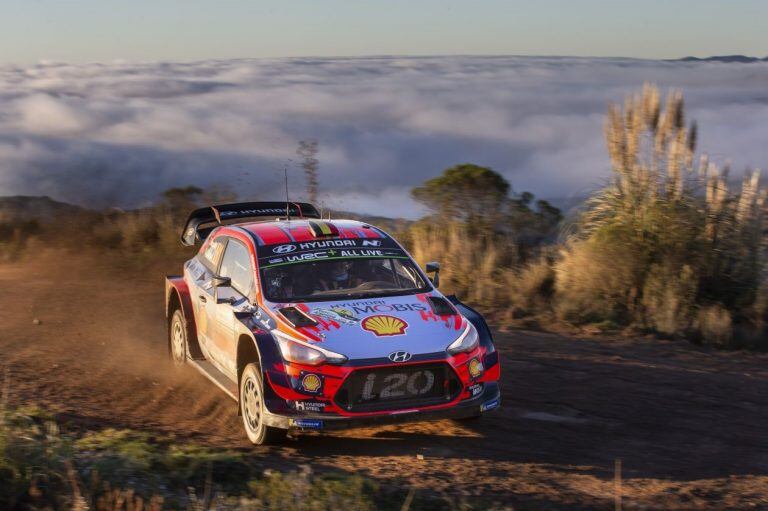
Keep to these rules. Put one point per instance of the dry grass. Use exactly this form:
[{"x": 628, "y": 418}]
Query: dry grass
[
  {"x": 473, "y": 266},
  {"x": 664, "y": 238}
]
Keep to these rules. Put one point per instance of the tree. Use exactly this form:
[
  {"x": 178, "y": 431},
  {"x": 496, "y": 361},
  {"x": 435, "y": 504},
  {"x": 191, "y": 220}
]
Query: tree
[
  {"x": 308, "y": 151},
  {"x": 465, "y": 192}
]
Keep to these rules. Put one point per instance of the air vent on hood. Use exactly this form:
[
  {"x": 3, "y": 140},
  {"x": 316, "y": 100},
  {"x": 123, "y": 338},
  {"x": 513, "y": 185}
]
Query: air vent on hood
[
  {"x": 441, "y": 306},
  {"x": 297, "y": 317}
]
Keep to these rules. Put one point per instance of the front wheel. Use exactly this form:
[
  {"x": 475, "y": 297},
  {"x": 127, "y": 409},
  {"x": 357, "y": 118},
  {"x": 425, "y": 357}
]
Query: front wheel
[
  {"x": 252, "y": 408},
  {"x": 177, "y": 338}
]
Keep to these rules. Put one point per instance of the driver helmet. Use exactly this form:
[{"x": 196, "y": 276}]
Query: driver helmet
[{"x": 340, "y": 271}]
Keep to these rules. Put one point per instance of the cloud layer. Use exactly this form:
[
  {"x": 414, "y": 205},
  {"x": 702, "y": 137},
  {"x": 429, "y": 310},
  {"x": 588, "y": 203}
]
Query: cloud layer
[{"x": 118, "y": 134}]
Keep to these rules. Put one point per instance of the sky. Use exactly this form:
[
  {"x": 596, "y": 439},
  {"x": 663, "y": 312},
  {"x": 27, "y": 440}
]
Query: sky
[
  {"x": 108, "y": 103},
  {"x": 78, "y": 31}
]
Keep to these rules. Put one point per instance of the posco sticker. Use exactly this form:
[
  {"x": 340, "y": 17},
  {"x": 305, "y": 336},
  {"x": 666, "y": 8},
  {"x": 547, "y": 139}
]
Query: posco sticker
[
  {"x": 489, "y": 405},
  {"x": 307, "y": 423}
]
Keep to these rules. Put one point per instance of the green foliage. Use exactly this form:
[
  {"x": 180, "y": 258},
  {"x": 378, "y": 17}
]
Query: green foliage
[
  {"x": 300, "y": 491},
  {"x": 465, "y": 192},
  {"x": 117, "y": 469}
]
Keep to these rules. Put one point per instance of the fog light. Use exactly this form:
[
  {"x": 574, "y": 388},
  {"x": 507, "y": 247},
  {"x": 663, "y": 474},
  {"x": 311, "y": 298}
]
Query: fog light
[
  {"x": 475, "y": 368},
  {"x": 311, "y": 383}
]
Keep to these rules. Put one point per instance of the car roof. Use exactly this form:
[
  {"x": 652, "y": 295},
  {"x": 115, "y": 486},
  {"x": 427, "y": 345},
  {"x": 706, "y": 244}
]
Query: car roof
[{"x": 300, "y": 230}]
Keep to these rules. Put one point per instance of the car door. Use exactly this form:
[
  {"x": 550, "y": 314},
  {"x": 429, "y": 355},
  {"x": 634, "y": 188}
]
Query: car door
[
  {"x": 204, "y": 267},
  {"x": 236, "y": 265}
]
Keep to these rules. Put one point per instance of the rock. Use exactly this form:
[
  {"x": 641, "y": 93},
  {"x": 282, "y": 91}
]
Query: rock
[{"x": 36, "y": 322}]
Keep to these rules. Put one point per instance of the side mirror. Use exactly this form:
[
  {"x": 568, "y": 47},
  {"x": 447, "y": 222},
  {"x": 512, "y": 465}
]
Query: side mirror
[
  {"x": 219, "y": 281},
  {"x": 434, "y": 267}
]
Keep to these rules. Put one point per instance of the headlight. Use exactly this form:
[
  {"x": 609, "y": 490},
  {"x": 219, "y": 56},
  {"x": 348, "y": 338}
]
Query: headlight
[
  {"x": 467, "y": 341},
  {"x": 300, "y": 353}
]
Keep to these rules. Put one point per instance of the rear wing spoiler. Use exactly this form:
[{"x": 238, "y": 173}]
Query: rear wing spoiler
[{"x": 219, "y": 213}]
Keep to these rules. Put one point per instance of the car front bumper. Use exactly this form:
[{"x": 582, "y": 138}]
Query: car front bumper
[{"x": 488, "y": 400}]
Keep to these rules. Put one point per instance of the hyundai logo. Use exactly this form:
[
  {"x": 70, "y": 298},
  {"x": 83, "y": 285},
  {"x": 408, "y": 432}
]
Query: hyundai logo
[
  {"x": 399, "y": 356},
  {"x": 284, "y": 249}
]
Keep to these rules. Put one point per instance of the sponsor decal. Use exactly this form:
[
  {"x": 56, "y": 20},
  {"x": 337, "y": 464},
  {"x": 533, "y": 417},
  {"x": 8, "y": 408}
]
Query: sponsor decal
[
  {"x": 475, "y": 389},
  {"x": 336, "y": 313},
  {"x": 265, "y": 320},
  {"x": 382, "y": 325},
  {"x": 371, "y": 243},
  {"x": 325, "y": 325},
  {"x": 311, "y": 383},
  {"x": 284, "y": 249},
  {"x": 489, "y": 405},
  {"x": 388, "y": 307},
  {"x": 258, "y": 212},
  {"x": 276, "y": 260},
  {"x": 475, "y": 368},
  {"x": 307, "y": 423},
  {"x": 314, "y": 245},
  {"x": 310, "y": 406},
  {"x": 362, "y": 252},
  {"x": 453, "y": 321}
]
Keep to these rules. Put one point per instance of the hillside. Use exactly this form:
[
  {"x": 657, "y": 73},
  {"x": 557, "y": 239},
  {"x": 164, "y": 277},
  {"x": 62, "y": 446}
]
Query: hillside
[{"x": 22, "y": 208}]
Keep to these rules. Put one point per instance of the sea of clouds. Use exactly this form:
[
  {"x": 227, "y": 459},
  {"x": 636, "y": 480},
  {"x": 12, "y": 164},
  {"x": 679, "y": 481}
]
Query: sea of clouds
[{"x": 118, "y": 134}]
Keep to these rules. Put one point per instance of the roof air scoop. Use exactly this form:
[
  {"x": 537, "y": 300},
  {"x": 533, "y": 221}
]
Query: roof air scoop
[{"x": 323, "y": 229}]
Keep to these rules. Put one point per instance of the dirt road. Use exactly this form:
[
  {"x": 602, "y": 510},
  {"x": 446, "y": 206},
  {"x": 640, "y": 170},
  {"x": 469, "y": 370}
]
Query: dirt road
[{"x": 688, "y": 424}]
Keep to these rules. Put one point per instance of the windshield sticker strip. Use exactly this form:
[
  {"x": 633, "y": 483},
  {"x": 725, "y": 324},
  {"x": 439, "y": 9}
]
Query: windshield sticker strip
[{"x": 298, "y": 259}]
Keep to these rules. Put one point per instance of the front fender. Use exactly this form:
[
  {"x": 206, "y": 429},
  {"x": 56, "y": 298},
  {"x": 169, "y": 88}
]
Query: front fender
[{"x": 477, "y": 320}]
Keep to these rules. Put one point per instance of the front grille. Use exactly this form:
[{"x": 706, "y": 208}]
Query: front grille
[{"x": 398, "y": 387}]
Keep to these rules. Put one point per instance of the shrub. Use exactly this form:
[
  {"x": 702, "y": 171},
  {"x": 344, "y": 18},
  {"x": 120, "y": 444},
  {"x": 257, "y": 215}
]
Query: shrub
[
  {"x": 715, "y": 325},
  {"x": 669, "y": 298},
  {"x": 529, "y": 289},
  {"x": 472, "y": 264},
  {"x": 597, "y": 280},
  {"x": 662, "y": 237}
]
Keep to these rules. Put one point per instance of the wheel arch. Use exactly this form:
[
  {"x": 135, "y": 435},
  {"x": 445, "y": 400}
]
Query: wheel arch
[
  {"x": 247, "y": 352},
  {"x": 177, "y": 297}
]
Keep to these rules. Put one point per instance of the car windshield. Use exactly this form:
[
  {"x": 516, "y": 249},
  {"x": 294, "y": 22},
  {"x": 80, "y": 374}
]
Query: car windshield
[{"x": 341, "y": 278}]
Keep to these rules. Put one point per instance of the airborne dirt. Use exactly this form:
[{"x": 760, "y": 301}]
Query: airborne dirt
[{"x": 688, "y": 424}]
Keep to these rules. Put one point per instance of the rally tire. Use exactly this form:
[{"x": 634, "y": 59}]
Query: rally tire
[
  {"x": 178, "y": 338},
  {"x": 252, "y": 408}
]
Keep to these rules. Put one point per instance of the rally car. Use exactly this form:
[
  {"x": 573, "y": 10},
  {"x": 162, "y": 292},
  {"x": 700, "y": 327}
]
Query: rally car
[{"x": 312, "y": 324}]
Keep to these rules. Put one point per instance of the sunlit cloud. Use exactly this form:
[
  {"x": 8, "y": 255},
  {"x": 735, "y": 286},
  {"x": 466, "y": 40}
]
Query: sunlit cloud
[{"x": 120, "y": 133}]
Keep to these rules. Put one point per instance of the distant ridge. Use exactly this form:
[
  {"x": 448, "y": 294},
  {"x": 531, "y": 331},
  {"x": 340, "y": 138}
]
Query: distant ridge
[
  {"x": 21, "y": 207},
  {"x": 730, "y": 59}
]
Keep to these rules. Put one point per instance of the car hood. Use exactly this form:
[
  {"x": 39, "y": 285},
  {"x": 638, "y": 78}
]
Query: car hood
[{"x": 376, "y": 327}]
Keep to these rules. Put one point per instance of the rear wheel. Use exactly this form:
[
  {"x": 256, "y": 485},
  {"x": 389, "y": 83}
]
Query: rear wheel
[
  {"x": 177, "y": 338},
  {"x": 252, "y": 408}
]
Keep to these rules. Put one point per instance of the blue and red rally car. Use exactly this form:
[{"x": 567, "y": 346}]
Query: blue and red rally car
[{"x": 312, "y": 324}]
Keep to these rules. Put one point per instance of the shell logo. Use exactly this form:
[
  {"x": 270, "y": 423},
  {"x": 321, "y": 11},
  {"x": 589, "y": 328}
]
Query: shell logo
[
  {"x": 311, "y": 383},
  {"x": 475, "y": 368},
  {"x": 383, "y": 325}
]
